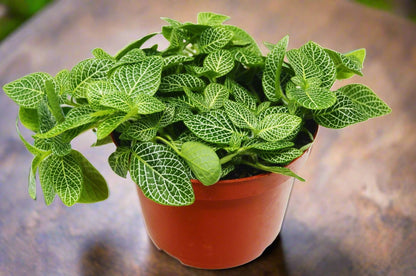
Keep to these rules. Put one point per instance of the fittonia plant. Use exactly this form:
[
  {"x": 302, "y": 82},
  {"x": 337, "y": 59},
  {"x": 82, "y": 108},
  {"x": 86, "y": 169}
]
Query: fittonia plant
[{"x": 208, "y": 106}]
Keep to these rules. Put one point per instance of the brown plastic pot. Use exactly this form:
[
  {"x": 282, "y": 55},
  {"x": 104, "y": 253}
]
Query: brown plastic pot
[{"x": 230, "y": 223}]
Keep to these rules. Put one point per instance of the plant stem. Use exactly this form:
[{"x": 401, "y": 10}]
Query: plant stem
[{"x": 166, "y": 142}]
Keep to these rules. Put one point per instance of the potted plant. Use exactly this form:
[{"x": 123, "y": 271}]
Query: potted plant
[{"x": 210, "y": 130}]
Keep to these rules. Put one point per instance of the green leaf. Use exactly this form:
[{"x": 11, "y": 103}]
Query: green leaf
[
  {"x": 118, "y": 100},
  {"x": 303, "y": 65},
  {"x": 347, "y": 65},
  {"x": 241, "y": 37},
  {"x": 272, "y": 70},
  {"x": 279, "y": 170},
  {"x": 211, "y": 19},
  {"x": 132, "y": 57},
  {"x": 86, "y": 71},
  {"x": 366, "y": 100},
  {"x": 268, "y": 146},
  {"x": 63, "y": 175},
  {"x": 313, "y": 97},
  {"x": 134, "y": 45},
  {"x": 203, "y": 161},
  {"x": 76, "y": 117},
  {"x": 32, "y": 175},
  {"x": 240, "y": 115},
  {"x": 247, "y": 57},
  {"x": 281, "y": 156},
  {"x": 108, "y": 125},
  {"x": 240, "y": 94},
  {"x": 143, "y": 130},
  {"x": 323, "y": 61},
  {"x": 94, "y": 186},
  {"x": 176, "y": 82},
  {"x": 198, "y": 101},
  {"x": 272, "y": 110},
  {"x": 32, "y": 149},
  {"x": 221, "y": 62},
  {"x": 120, "y": 160},
  {"x": 60, "y": 147},
  {"x": 96, "y": 91},
  {"x": 52, "y": 93},
  {"x": 277, "y": 127},
  {"x": 147, "y": 105},
  {"x": 139, "y": 78},
  {"x": 343, "y": 113},
  {"x": 29, "y": 118},
  {"x": 215, "y": 94},
  {"x": 166, "y": 117},
  {"x": 213, "y": 126},
  {"x": 213, "y": 39},
  {"x": 101, "y": 54},
  {"x": 262, "y": 107},
  {"x": 27, "y": 91},
  {"x": 63, "y": 78},
  {"x": 161, "y": 174},
  {"x": 175, "y": 60},
  {"x": 47, "y": 186}
]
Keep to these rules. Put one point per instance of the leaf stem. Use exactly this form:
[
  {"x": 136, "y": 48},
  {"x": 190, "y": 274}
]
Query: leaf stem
[{"x": 166, "y": 142}]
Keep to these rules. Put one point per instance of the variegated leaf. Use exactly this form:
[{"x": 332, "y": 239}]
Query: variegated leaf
[
  {"x": 27, "y": 91},
  {"x": 176, "y": 82},
  {"x": 213, "y": 39},
  {"x": 140, "y": 78},
  {"x": 161, "y": 174}
]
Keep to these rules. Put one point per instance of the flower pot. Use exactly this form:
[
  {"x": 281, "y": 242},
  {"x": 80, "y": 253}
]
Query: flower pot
[{"x": 230, "y": 223}]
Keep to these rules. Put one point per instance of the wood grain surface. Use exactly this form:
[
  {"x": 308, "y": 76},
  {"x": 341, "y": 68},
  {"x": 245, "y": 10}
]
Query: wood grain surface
[{"x": 356, "y": 214}]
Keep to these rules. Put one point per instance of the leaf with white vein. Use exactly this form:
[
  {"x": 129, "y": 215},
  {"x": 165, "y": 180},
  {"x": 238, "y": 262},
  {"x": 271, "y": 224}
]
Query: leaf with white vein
[
  {"x": 86, "y": 71},
  {"x": 118, "y": 100},
  {"x": 213, "y": 39},
  {"x": 347, "y": 65},
  {"x": 343, "y": 113},
  {"x": 213, "y": 126},
  {"x": 76, "y": 117},
  {"x": 281, "y": 156},
  {"x": 147, "y": 105},
  {"x": 323, "y": 61},
  {"x": 240, "y": 115},
  {"x": 272, "y": 70},
  {"x": 27, "y": 91},
  {"x": 221, "y": 62},
  {"x": 268, "y": 146},
  {"x": 62, "y": 175},
  {"x": 211, "y": 19},
  {"x": 96, "y": 91},
  {"x": 303, "y": 65},
  {"x": 140, "y": 78},
  {"x": 277, "y": 127},
  {"x": 119, "y": 161},
  {"x": 241, "y": 94},
  {"x": 247, "y": 57},
  {"x": 175, "y": 60},
  {"x": 143, "y": 130},
  {"x": 367, "y": 101},
  {"x": 215, "y": 94},
  {"x": 109, "y": 124},
  {"x": 313, "y": 97},
  {"x": 161, "y": 174},
  {"x": 176, "y": 82}
]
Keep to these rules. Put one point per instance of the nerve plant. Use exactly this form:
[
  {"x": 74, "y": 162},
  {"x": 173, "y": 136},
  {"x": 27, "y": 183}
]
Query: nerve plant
[{"x": 209, "y": 106}]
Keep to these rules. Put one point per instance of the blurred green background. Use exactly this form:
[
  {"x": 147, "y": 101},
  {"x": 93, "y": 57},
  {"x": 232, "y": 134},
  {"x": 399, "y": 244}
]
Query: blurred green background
[{"x": 14, "y": 12}]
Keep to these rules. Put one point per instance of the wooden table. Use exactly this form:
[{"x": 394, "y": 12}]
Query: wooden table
[{"x": 356, "y": 215}]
